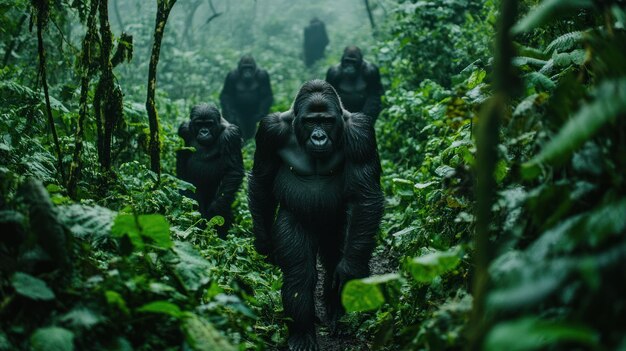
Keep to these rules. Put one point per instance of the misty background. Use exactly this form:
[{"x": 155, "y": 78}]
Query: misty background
[{"x": 204, "y": 39}]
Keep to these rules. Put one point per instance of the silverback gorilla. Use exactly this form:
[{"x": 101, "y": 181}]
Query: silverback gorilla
[
  {"x": 246, "y": 96},
  {"x": 318, "y": 164},
  {"x": 357, "y": 82},
  {"x": 315, "y": 41},
  {"x": 216, "y": 167}
]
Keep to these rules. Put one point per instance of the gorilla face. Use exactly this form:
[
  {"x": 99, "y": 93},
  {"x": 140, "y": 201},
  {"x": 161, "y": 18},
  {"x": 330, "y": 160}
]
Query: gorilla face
[
  {"x": 205, "y": 124},
  {"x": 351, "y": 61},
  {"x": 318, "y": 119},
  {"x": 247, "y": 68}
]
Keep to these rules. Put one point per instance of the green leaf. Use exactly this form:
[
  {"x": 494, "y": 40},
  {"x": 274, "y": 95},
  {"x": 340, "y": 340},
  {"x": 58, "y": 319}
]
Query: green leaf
[
  {"x": 191, "y": 269},
  {"x": 125, "y": 224},
  {"x": 153, "y": 227},
  {"x": 162, "y": 307},
  {"x": 156, "y": 228},
  {"x": 115, "y": 299},
  {"x": 610, "y": 102},
  {"x": 531, "y": 334},
  {"x": 431, "y": 265},
  {"x": 52, "y": 339},
  {"x": 202, "y": 336},
  {"x": 31, "y": 287},
  {"x": 82, "y": 317},
  {"x": 362, "y": 295},
  {"x": 565, "y": 42},
  {"x": 548, "y": 11}
]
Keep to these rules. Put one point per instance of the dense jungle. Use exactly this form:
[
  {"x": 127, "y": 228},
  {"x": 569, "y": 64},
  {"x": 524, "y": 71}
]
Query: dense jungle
[{"x": 435, "y": 175}]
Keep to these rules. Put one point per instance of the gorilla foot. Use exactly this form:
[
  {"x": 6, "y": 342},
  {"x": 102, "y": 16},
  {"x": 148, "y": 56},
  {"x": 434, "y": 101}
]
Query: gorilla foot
[{"x": 303, "y": 342}]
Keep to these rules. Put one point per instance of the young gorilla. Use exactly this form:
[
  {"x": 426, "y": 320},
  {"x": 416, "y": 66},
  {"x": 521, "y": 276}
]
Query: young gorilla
[
  {"x": 357, "y": 82},
  {"x": 246, "y": 96},
  {"x": 216, "y": 167},
  {"x": 318, "y": 164}
]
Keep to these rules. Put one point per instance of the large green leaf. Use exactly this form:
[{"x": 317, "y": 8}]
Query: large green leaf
[
  {"x": 431, "y": 265},
  {"x": 191, "y": 269},
  {"x": 52, "y": 339},
  {"x": 153, "y": 227},
  {"x": 609, "y": 103},
  {"x": 531, "y": 334},
  {"x": 31, "y": 287},
  {"x": 365, "y": 294},
  {"x": 202, "y": 336},
  {"x": 162, "y": 307},
  {"x": 548, "y": 11}
]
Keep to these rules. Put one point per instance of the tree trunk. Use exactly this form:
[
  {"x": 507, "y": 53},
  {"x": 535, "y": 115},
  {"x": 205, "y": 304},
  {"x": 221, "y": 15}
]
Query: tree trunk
[
  {"x": 163, "y": 10},
  {"x": 369, "y": 14},
  {"x": 42, "y": 11},
  {"x": 487, "y": 139},
  {"x": 90, "y": 37},
  {"x": 108, "y": 98}
]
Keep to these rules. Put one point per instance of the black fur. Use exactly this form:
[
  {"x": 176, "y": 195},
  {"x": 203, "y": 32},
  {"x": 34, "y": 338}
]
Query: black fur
[
  {"x": 245, "y": 100},
  {"x": 361, "y": 92},
  {"x": 215, "y": 168},
  {"x": 303, "y": 204},
  {"x": 315, "y": 41}
]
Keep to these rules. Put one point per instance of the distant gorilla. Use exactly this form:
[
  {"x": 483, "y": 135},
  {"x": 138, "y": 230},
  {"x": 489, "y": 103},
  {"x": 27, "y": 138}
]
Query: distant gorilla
[
  {"x": 246, "y": 96},
  {"x": 315, "y": 41},
  {"x": 357, "y": 82},
  {"x": 318, "y": 165},
  {"x": 216, "y": 167}
]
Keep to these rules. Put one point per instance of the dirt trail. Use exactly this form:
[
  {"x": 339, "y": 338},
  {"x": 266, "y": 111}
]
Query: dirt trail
[{"x": 381, "y": 263}]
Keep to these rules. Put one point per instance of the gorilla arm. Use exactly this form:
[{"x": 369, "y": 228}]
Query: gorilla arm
[
  {"x": 365, "y": 199},
  {"x": 182, "y": 155},
  {"x": 272, "y": 133},
  {"x": 230, "y": 150},
  {"x": 372, "y": 105}
]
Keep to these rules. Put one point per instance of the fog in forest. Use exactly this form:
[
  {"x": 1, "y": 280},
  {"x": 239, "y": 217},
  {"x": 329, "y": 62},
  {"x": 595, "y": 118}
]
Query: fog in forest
[{"x": 206, "y": 38}]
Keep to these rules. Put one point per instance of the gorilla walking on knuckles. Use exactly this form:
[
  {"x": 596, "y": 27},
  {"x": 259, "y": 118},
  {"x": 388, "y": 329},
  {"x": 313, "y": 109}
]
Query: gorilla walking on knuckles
[
  {"x": 318, "y": 164},
  {"x": 357, "y": 82},
  {"x": 215, "y": 168},
  {"x": 246, "y": 96}
]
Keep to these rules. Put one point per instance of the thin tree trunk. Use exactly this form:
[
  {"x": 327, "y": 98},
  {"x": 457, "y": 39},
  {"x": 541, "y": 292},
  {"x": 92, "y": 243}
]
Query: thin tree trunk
[
  {"x": 76, "y": 166},
  {"x": 369, "y": 14},
  {"x": 163, "y": 10},
  {"x": 487, "y": 139},
  {"x": 42, "y": 11},
  {"x": 108, "y": 98}
]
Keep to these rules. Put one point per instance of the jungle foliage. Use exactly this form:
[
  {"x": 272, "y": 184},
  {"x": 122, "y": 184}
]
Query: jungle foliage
[{"x": 503, "y": 145}]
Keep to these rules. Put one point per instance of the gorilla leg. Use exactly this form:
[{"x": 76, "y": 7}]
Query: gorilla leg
[
  {"x": 329, "y": 257},
  {"x": 295, "y": 252}
]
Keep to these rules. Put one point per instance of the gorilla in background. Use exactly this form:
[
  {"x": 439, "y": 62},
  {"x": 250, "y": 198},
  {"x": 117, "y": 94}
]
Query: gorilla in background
[
  {"x": 357, "y": 82},
  {"x": 318, "y": 165},
  {"x": 215, "y": 168},
  {"x": 246, "y": 96},
  {"x": 315, "y": 41}
]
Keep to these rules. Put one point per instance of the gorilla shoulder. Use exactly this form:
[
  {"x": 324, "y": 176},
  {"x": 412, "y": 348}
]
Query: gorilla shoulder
[{"x": 359, "y": 137}]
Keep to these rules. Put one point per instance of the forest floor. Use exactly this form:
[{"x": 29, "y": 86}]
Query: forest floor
[{"x": 381, "y": 263}]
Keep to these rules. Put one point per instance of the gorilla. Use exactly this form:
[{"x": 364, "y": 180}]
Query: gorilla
[
  {"x": 246, "y": 96},
  {"x": 315, "y": 189},
  {"x": 315, "y": 41},
  {"x": 215, "y": 168},
  {"x": 357, "y": 82}
]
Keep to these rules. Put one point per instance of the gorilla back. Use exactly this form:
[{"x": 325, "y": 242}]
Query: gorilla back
[
  {"x": 318, "y": 165},
  {"x": 216, "y": 166}
]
